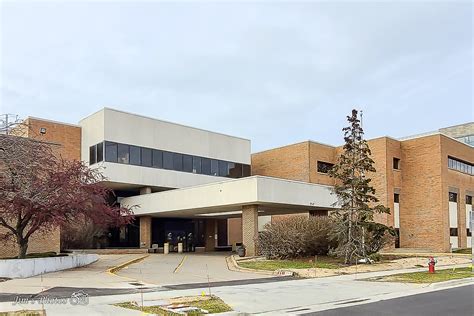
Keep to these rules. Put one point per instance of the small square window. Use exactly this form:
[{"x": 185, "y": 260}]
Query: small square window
[
  {"x": 396, "y": 163},
  {"x": 324, "y": 167},
  {"x": 453, "y": 232},
  {"x": 469, "y": 199},
  {"x": 453, "y": 197}
]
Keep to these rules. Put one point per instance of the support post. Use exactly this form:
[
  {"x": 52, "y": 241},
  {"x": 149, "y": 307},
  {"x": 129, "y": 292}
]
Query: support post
[
  {"x": 250, "y": 229},
  {"x": 211, "y": 231},
  {"x": 145, "y": 231}
]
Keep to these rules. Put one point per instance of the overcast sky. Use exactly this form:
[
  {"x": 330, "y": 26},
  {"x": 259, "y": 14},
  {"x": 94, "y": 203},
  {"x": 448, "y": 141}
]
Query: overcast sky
[{"x": 273, "y": 72}]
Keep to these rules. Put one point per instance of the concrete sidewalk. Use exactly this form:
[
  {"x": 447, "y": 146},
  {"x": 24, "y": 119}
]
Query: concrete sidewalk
[
  {"x": 94, "y": 275},
  {"x": 289, "y": 297}
]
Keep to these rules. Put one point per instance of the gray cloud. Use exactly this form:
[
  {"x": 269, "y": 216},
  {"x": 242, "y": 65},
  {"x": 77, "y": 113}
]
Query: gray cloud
[{"x": 272, "y": 72}]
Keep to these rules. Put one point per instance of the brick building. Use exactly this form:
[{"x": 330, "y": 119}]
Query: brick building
[
  {"x": 427, "y": 181},
  {"x": 206, "y": 189},
  {"x": 65, "y": 139}
]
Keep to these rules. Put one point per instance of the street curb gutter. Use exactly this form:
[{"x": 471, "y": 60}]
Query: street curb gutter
[
  {"x": 465, "y": 281},
  {"x": 119, "y": 267},
  {"x": 234, "y": 266}
]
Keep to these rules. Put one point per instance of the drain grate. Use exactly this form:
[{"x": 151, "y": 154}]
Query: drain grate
[{"x": 353, "y": 301}]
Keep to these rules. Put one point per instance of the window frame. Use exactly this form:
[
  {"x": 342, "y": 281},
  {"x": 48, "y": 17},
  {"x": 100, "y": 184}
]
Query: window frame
[{"x": 396, "y": 163}]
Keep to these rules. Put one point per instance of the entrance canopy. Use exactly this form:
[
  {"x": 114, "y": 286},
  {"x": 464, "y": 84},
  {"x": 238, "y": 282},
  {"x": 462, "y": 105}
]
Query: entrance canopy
[{"x": 226, "y": 198}]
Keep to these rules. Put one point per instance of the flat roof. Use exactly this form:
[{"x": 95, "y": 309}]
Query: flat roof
[
  {"x": 225, "y": 198},
  {"x": 160, "y": 120}
]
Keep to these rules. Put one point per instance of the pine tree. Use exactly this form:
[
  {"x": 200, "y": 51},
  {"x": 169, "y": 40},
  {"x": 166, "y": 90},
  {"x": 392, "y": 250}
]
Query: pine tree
[{"x": 355, "y": 230}]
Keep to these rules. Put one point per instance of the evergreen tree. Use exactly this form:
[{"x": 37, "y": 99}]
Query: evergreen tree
[{"x": 356, "y": 232}]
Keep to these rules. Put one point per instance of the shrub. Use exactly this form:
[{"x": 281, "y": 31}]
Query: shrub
[{"x": 296, "y": 236}]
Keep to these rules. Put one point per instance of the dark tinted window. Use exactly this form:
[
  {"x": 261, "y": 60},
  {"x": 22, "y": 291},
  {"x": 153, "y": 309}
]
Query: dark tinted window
[
  {"x": 177, "y": 162},
  {"x": 168, "y": 160},
  {"x": 235, "y": 170},
  {"x": 468, "y": 199},
  {"x": 197, "y": 164},
  {"x": 157, "y": 158},
  {"x": 92, "y": 155},
  {"x": 223, "y": 168},
  {"x": 396, "y": 163},
  {"x": 214, "y": 167},
  {"x": 246, "y": 170},
  {"x": 396, "y": 198},
  {"x": 110, "y": 152},
  {"x": 468, "y": 232},
  {"x": 206, "y": 166},
  {"x": 187, "y": 163},
  {"x": 100, "y": 152},
  {"x": 135, "y": 155},
  {"x": 123, "y": 153},
  {"x": 453, "y": 197},
  {"x": 453, "y": 232},
  {"x": 147, "y": 157},
  {"x": 324, "y": 167}
]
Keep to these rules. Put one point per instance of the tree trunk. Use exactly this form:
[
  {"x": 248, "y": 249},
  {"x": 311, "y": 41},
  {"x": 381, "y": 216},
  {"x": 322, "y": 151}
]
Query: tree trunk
[{"x": 22, "y": 248}]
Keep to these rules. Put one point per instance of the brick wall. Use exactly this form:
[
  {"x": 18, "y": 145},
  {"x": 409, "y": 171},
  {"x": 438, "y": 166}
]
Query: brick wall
[
  {"x": 422, "y": 181},
  {"x": 39, "y": 242},
  {"x": 68, "y": 140},
  {"x": 458, "y": 180},
  {"x": 289, "y": 162}
]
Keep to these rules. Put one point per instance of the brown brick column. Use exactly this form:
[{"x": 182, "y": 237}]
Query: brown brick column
[
  {"x": 211, "y": 231},
  {"x": 250, "y": 228},
  {"x": 145, "y": 231}
]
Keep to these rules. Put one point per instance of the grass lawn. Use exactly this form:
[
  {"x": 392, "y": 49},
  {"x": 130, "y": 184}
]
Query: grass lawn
[
  {"x": 425, "y": 277},
  {"x": 213, "y": 305},
  {"x": 24, "y": 313},
  {"x": 41, "y": 255},
  {"x": 465, "y": 251},
  {"x": 272, "y": 265}
]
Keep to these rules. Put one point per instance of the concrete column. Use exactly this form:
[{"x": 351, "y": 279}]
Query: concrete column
[
  {"x": 211, "y": 231},
  {"x": 250, "y": 228},
  {"x": 145, "y": 190},
  {"x": 145, "y": 231}
]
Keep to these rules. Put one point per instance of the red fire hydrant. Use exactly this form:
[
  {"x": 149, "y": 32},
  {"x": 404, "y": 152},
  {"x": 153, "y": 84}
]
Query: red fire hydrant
[{"x": 431, "y": 264}]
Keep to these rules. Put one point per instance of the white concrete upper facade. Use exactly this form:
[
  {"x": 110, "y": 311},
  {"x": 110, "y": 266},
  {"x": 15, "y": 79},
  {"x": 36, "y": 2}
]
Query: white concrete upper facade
[
  {"x": 131, "y": 129},
  {"x": 274, "y": 195}
]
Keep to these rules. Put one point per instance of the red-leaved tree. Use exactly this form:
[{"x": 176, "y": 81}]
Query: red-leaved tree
[{"x": 40, "y": 191}]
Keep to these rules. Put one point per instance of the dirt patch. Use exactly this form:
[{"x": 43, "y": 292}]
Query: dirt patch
[{"x": 404, "y": 263}]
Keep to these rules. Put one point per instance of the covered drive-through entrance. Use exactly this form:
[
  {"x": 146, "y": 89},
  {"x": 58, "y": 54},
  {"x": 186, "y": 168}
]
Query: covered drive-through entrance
[{"x": 198, "y": 216}]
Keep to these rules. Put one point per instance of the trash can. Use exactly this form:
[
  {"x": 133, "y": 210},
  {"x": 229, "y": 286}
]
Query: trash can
[{"x": 241, "y": 251}]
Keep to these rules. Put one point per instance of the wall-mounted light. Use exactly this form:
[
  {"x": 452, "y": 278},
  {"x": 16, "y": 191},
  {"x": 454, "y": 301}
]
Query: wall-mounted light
[{"x": 43, "y": 130}]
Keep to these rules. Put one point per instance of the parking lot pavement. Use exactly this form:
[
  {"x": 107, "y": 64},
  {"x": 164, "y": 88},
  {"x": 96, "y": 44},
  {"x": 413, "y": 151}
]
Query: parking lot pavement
[
  {"x": 178, "y": 269},
  {"x": 90, "y": 276}
]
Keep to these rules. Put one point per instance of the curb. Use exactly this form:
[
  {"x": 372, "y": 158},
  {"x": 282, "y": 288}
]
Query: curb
[
  {"x": 464, "y": 281},
  {"x": 119, "y": 267},
  {"x": 234, "y": 266}
]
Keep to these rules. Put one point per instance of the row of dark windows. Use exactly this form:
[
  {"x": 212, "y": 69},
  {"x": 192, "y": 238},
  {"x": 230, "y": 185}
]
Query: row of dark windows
[
  {"x": 154, "y": 158},
  {"x": 459, "y": 165},
  {"x": 453, "y": 197},
  {"x": 453, "y": 232},
  {"x": 324, "y": 167}
]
